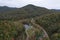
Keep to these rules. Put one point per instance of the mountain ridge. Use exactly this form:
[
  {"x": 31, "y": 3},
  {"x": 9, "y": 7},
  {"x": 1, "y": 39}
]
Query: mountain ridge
[
  {"x": 6, "y": 8},
  {"x": 27, "y": 11}
]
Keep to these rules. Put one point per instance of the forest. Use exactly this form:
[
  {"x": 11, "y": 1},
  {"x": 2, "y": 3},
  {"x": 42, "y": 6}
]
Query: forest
[{"x": 12, "y": 22}]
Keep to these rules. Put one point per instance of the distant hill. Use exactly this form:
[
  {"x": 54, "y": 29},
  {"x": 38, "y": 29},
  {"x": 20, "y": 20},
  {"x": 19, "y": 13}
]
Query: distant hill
[
  {"x": 5, "y": 9},
  {"x": 55, "y": 10},
  {"x": 27, "y": 11}
]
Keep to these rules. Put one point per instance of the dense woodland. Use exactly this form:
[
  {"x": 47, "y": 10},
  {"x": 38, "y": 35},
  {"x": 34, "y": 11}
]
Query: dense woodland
[
  {"x": 51, "y": 23},
  {"x": 11, "y": 28}
]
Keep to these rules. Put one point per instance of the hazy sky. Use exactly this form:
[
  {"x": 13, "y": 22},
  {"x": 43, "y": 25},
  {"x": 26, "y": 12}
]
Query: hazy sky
[{"x": 51, "y": 4}]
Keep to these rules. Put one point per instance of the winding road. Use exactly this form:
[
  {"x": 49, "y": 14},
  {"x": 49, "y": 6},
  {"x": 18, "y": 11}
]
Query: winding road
[{"x": 36, "y": 25}]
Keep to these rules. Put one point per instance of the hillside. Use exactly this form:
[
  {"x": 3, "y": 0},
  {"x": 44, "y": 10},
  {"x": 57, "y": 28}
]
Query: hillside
[
  {"x": 15, "y": 30},
  {"x": 51, "y": 23},
  {"x": 5, "y": 9},
  {"x": 27, "y": 11},
  {"x": 14, "y": 22}
]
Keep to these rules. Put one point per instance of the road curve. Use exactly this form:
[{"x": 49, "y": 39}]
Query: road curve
[{"x": 33, "y": 23}]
